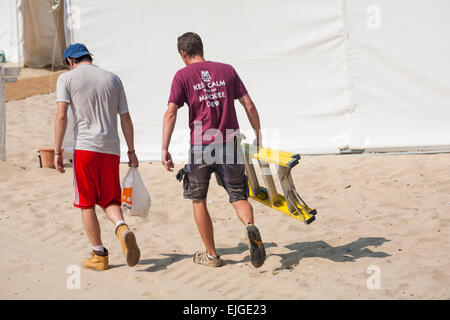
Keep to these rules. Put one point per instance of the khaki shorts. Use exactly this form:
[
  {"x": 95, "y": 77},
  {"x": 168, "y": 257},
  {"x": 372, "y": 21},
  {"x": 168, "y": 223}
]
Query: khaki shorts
[{"x": 231, "y": 176}]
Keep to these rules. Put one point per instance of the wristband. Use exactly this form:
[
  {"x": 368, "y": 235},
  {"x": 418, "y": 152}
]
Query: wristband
[{"x": 131, "y": 151}]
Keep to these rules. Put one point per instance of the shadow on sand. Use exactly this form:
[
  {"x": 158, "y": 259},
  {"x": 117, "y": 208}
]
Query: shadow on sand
[
  {"x": 346, "y": 253},
  {"x": 300, "y": 250},
  {"x": 163, "y": 263}
]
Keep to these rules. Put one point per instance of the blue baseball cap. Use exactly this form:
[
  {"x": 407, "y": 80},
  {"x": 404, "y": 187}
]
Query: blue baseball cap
[{"x": 75, "y": 50}]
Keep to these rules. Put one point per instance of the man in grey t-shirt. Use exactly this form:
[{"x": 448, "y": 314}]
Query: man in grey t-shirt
[{"x": 96, "y": 98}]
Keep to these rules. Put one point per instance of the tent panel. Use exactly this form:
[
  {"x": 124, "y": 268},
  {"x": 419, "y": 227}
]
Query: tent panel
[
  {"x": 327, "y": 76},
  {"x": 401, "y": 88},
  {"x": 9, "y": 34},
  {"x": 293, "y": 67},
  {"x": 44, "y": 40}
]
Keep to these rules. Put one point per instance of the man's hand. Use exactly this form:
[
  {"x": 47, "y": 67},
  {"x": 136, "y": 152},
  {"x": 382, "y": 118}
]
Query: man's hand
[
  {"x": 258, "y": 141},
  {"x": 166, "y": 160},
  {"x": 133, "y": 160},
  {"x": 59, "y": 163}
]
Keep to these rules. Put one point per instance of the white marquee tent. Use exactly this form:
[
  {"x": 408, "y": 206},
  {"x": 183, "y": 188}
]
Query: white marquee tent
[
  {"x": 32, "y": 32},
  {"x": 328, "y": 76}
]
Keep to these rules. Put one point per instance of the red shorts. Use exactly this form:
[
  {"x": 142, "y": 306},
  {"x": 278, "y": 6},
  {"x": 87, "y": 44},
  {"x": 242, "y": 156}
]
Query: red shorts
[{"x": 96, "y": 179}]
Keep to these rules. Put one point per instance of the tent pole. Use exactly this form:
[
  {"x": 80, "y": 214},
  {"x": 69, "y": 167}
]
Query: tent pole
[
  {"x": 7, "y": 74},
  {"x": 18, "y": 33},
  {"x": 2, "y": 115}
]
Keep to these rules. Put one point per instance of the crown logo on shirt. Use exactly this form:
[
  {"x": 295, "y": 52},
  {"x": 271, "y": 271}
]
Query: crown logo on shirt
[{"x": 205, "y": 76}]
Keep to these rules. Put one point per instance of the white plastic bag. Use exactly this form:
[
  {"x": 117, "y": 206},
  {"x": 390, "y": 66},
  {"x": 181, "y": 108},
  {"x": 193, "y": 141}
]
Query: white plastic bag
[{"x": 135, "y": 197}]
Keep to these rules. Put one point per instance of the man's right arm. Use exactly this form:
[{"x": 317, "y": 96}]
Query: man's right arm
[
  {"x": 60, "y": 130},
  {"x": 253, "y": 116},
  {"x": 62, "y": 103},
  {"x": 169, "y": 120}
]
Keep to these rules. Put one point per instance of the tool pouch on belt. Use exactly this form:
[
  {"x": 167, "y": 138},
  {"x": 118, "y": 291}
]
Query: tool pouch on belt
[{"x": 182, "y": 174}]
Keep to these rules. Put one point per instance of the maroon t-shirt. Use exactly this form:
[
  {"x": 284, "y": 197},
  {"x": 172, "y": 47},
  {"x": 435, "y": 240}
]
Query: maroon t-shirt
[{"x": 209, "y": 89}]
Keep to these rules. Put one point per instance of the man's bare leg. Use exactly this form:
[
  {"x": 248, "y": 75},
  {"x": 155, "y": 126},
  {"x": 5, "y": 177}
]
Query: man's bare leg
[
  {"x": 244, "y": 211},
  {"x": 99, "y": 260},
  {"x": 124, "y": 234},
  {"x": 91, "y": 226},
  {"x": 114, "y": 213},
  {"x": 204, "y": 225}
]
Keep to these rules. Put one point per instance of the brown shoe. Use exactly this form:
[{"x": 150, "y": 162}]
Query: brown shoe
[
  {"x": 201, "y": 257},
  {"x": 129, "y": 246},
  {"x": 96, "y": 262},
  {"x": 256, "y": 246}
]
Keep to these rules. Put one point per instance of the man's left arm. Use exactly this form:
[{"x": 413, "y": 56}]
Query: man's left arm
[
  {"x": 253, "y": 116},
  {"x": 128, "y": 132},
  {"x": 60, "y": 130}
]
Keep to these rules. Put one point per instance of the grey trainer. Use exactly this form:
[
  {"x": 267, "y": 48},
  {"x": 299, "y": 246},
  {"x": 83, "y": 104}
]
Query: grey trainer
[
  {"x": 201, "y": 257},
  {"x": 256, "y": 246}
]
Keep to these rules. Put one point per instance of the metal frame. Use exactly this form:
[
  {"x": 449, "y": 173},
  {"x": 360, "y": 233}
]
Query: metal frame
[
  {"x": 7, "y": 75},
  {"x": 290, "y": 202}
]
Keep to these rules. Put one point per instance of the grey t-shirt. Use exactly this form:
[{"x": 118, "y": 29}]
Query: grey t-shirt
[{"x": 96, "y": 97}]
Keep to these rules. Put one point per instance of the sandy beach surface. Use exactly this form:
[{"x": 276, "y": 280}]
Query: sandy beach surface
[
  {"x": 388, "y": 214},
  {"x": 32, "y": 81}
]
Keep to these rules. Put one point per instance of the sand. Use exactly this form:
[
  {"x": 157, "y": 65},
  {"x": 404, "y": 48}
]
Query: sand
[
  {"x": 385, "y": 212},
  {"x": 32, "y": 81}
]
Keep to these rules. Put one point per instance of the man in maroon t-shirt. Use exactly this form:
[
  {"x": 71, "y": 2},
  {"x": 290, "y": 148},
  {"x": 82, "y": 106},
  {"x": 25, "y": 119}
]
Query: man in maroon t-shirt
[{"x": 209, "y": 89}]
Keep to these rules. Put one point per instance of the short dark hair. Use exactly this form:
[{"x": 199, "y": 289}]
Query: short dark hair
[
  {"x": 86, "y": 57},
  {"x": 191, "y": 43}
]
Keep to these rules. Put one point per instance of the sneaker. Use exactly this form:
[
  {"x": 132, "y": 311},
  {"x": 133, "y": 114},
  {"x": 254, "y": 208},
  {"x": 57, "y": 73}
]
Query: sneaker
[
  {"x": 129, "y": 246},
  {"x": 201, "y": 257},
  {"x": 96, "y": 262},
  {"x": 256, "y": 246}
]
